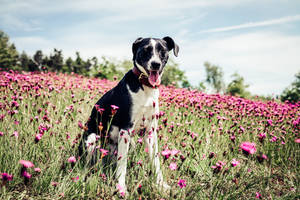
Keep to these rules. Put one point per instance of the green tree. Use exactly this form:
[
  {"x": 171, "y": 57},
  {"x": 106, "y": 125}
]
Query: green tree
[
  {"x": 172, "y": 75},
  {"x": 292, "y": 93},
  {"x": 8, "y": 53},
  {"x": 69, "y": 65},
  {"x": 214, "y": 77},
  {"x": 24, "y": 61},
  {"x": 56, "y": 62},
  {"x": 237, "y": 86}
]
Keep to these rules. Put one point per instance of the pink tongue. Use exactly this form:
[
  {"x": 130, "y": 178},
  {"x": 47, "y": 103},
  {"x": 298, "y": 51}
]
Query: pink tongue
[{"x": 154, "y": 78}]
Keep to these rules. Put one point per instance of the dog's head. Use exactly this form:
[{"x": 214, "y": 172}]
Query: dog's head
[{"x": 150, "y": 55}]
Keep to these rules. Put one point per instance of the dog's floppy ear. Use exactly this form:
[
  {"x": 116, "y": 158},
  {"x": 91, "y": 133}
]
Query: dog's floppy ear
[
  {"x": 135, "y": 45},
  {"x": 172, "y": 45}
]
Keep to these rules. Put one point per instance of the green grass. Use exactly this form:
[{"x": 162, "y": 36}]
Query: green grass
[{"x": 274, "y": 178}]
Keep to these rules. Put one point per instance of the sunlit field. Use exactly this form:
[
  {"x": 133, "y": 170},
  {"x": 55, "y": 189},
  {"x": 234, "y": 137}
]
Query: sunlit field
[{"x": 211, "y": 146}]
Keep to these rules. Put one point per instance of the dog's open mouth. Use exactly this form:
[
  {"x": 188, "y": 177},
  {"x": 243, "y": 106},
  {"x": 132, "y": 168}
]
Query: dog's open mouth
[{"x": 154, "y": 78}]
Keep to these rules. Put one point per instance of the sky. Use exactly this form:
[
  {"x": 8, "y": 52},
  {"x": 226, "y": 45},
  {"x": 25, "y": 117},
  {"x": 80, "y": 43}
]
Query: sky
[{"x": 259, "y": 39}]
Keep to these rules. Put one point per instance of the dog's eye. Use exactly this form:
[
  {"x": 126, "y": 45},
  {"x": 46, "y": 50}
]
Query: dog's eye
[
  {"x": 162, "y": 54},
  {"x": 148, "y": 49}
]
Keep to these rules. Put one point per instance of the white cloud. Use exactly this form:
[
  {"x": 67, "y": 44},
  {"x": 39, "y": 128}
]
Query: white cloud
[
  {"x": 255, "y": 24},
  {"x": 268, "y": 61}
]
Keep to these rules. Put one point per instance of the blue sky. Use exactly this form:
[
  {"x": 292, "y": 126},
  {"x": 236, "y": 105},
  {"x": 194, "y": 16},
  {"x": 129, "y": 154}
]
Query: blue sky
[{"x": 259, "y": 39}]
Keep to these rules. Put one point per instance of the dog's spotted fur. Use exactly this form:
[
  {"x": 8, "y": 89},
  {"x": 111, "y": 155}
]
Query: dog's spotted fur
[{"x": 138, "y": 108}]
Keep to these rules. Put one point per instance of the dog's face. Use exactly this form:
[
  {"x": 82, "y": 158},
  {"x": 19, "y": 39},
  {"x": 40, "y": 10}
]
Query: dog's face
[{"x": 150, "y": 55}]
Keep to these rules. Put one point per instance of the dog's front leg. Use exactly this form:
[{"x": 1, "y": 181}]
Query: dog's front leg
[
  {"x": 152, "y": 146},
  {"x": 123, "y": 146}
]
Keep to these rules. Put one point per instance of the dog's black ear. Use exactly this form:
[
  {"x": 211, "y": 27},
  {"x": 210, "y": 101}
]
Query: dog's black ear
[
  {"x": 135, "y": 45},
  {"x": 172, "y": 45}
]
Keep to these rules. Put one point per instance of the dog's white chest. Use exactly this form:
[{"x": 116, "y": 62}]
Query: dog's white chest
[{"x": 144, "y": 107}]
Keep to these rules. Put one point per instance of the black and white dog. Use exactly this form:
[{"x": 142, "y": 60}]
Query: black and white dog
[{"x": 136, "y": 97}]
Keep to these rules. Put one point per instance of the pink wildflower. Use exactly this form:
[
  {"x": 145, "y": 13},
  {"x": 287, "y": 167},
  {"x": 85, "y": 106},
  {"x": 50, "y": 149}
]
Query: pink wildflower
[
  {"x": 121, "y": 190},
  {"x": 26, "y": 174},
  {"x": 114, "y": 109},
  {"x": 6, "y": 177},
  {"x": 234, "y": 162},
  {"x": 37, "y": 169},
  {"x": 173, "y": 166},
  {"x": 218, "y": 167},
  {"x": 1, "y": 133},
  {"x": 297, "y": 140},
  {"x": 72, "y": 159},
  {"x": 269, "y": 122},
  {"x": 166, "y": 153},
  {"x": 26, "y": 163},
  {"x": 258, "y": 195},
  {"x": 140, "y": 140},
  {"x": 248, "y": 147},
  {"x": 181, "y": 183},
  {"x": 16, "y": 134},
  {"x": 261, "y": 137},
  {"x": 75, "y": 179},
  {"x": 104, "y": 152},
  {"x": 174, "y": 152},
  {"x": 54, "y": 183},
  {"x": 38, "y": 137}
]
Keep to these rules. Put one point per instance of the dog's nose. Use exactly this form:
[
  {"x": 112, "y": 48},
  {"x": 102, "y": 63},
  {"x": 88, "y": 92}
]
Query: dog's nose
[{"x": 155, "y": 65}]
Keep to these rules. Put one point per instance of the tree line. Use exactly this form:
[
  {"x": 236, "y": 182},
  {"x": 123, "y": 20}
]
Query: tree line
[{"x": 113, "y": 69}]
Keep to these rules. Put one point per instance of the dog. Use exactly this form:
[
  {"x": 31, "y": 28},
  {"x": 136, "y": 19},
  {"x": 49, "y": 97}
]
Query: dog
[{"x": 133, "y": 106}]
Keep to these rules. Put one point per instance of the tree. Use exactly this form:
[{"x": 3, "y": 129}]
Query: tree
[
  {"x": 237, "y": 86},
  {"x": 172, "y": 75},
  {"x": 292, "y": 93},
  {"x": 69, "y": 65},
  {"x": 8, "y": 53},
  {"x": 56, "y": 61},
  {"x": 24, "y": 61},
  {"x": 214, "y": 77}
]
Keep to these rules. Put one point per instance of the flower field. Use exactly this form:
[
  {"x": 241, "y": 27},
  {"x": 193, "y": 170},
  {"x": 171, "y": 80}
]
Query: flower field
[{"x": 211, "y": 146}]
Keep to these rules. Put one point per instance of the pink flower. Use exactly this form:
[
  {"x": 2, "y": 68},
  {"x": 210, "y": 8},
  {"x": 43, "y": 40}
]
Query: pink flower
[
  {"x": 297, "y": 140},
  {"x": 258, "y": 196},
  {"x": 54, "y": 184},
  {"x": 104, "y": 152},
  {"x": 173, "y": 166},
  {"x": 181, "y": 183},
  {"x": 121, "y": 190},
  {"x": 72, "y": 159},
  {"x": 26, "y": 174},
  {"x": 261, "y": 158},
  {"x": 234, "y": 162},
  {"x": 166, "y": 153},
  {"x": 248, "y": 147},
  {"x": 38, "y": 137},
  {"x": 174, "y": 152},
  {"x": 26, "y": 163},
  {"x": 269, "y": 122},
  {"x": 75, "y": 179},
  {"x": 16, "y": 134},
  {"x": 1, "y": 133},
  {"x": 261, "y": 137},
  {"x": 6, "y": 177},
  {"x": 218, "y": 167},
  {"x": 114, "y": 109},
  {"x": 37, "y": 169},
  {"x": 140, "y": 140},
  {"x": 140, "y": 163}
]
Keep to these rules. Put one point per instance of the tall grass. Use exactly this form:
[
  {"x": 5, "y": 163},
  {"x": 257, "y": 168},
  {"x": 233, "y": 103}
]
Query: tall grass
[{"x": 196, "y": 131}]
